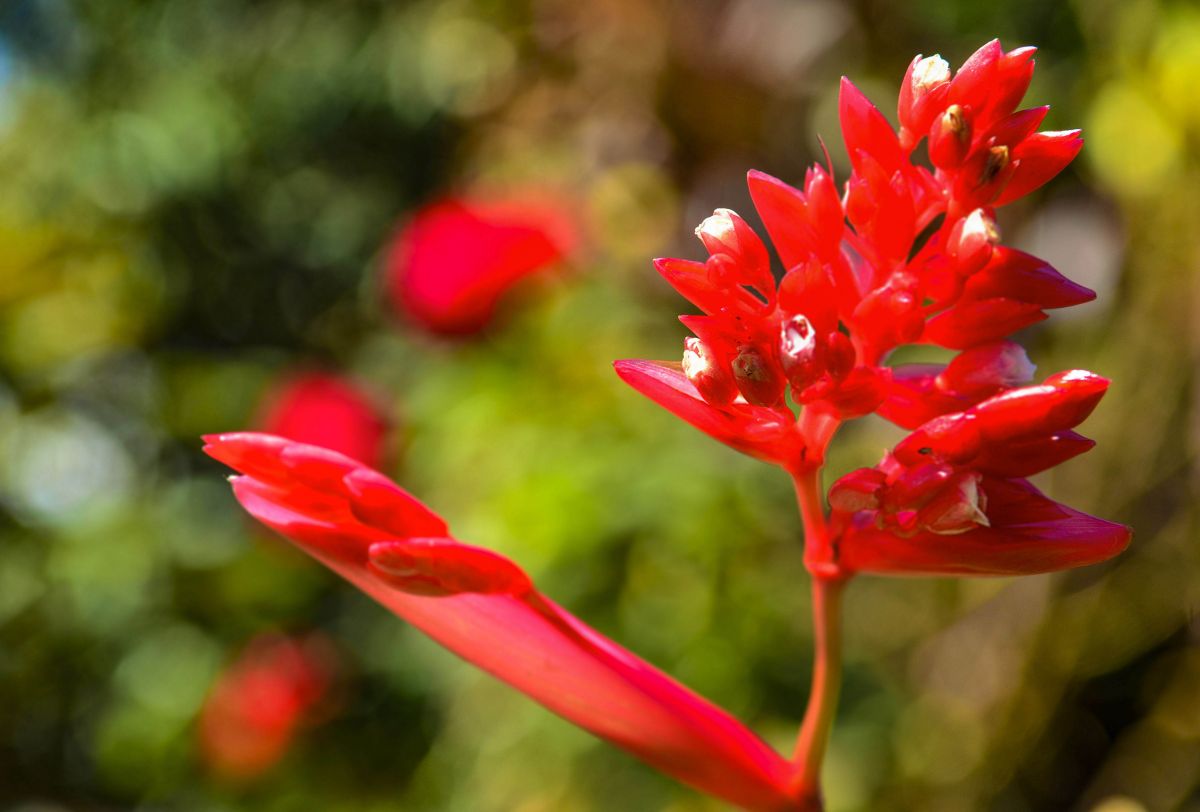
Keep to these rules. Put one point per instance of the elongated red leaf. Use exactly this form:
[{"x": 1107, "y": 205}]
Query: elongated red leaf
[{"x": 481, "y": 606}]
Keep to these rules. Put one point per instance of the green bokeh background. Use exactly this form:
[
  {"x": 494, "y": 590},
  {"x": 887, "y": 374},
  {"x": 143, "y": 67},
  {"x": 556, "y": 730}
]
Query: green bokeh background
[{"x": 196, "y": 196}]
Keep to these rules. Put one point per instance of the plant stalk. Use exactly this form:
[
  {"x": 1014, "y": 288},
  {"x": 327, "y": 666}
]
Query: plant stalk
[{"x": 828, "y": 583}]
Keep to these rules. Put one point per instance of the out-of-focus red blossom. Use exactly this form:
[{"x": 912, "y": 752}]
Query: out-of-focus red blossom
[
  {"x": 450, "y": 266},
  {"x": 325, "y": 410},
  {"x": 258, "y": 703},
  {"x": 922, "y": 263},
  {"x": 483, "y": 607}
]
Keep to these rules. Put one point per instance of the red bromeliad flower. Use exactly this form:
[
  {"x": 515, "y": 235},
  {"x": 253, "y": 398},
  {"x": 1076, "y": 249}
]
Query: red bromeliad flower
[
  {"x": 256, "y": 706},
  {"x": 903, "y": 254},
  {"x": 450, "y": 266},
  {"x": 908, "y": 254}
]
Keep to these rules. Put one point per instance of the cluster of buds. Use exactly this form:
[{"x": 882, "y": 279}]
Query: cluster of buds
[
  {"x": 933, "y": 480},
  {"x": 904, "y": 253},
  {"x": 773, "y": 339}
]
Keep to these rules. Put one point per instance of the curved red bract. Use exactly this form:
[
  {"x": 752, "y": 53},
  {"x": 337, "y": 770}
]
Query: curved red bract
[{"x": 482, "y": 607}]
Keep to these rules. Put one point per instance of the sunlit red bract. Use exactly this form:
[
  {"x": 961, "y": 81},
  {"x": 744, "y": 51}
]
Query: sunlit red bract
[{"x": 457, "y": 258}]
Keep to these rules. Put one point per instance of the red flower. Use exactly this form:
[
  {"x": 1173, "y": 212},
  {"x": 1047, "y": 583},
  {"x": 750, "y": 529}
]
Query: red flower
[
  {"x": 451, "y": 265},
  {"x": 326, "y": 410},
  {"x": 484, "y": 608},
  {"x": 848, "y": 297},
  {"x": 255, "y": 707}
]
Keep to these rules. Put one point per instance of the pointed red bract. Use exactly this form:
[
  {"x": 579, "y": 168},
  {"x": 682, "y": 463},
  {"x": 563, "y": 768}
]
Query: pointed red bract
[
  {"x": 483, "y": 607},
  {"x": 785, "y": 212},
  {"x": 760, "y": 431},
  {"x": 1038, "y": 159},
  {"x": 980, "y": 322},
  {"x": 866, "y": 131},
  {"x": 1013, "y": 274}
]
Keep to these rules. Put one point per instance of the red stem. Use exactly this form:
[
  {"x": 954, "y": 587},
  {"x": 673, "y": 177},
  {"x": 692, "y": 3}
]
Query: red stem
[
  {"x": 826, "y": 683},
  {"x": 828, "y": 582}
]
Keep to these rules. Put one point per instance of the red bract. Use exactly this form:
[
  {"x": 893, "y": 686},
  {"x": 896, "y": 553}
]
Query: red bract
[
  {"x": 255, "y": 706},
  {"x": 450, "y": 266},
  {"x": 480, "y": 605},
  {"x": 326, "y": 410}
]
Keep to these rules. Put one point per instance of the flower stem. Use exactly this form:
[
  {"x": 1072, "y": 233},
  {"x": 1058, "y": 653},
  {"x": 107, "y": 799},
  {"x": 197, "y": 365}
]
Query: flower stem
[
  {"x": 828, "y": 582},
  {"x": 826, "y": 682},
  {"x": 818, "y": 551}
]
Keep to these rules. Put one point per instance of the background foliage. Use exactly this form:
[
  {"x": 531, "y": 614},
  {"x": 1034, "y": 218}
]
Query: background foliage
[{"x": 197, "y": 197}]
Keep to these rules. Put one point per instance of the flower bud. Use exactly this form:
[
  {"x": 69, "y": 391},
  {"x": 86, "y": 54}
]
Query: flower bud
[
  {"x": 839, "y": 355},
  {"x": 916, "y": 486},
  {"x": 950, "y": 138},
  {"x": 984, "y": 175},
  {"x": 727, "y": 233},
  {"x": 857, "y": 490},
  {"x": 984, "y": 370},
  {"x": 922, "y": 92},
  {"x": 971, "y": 242},
  {"x": 760, "y": 382},
  {"x": 929, "y": 73},
  {"x": 952, "y": 438},
  {"x": 800, "y": 353},
  {"x": 1060, "y": 402},
  {"x": 958, "y": 508},
  {"x": 704, "y": 369}
]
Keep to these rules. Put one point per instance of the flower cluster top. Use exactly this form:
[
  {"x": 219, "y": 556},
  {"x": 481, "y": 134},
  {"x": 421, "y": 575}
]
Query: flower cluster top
[{"x": 902, "y": 254}]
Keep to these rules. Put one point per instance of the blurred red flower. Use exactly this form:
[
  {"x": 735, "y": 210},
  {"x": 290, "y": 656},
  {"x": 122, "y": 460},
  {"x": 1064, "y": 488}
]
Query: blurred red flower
[
  {"x": 327, "y": 410},
  {"x": 257, "y": 704},
  {"x": 450, "y": 266}
]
